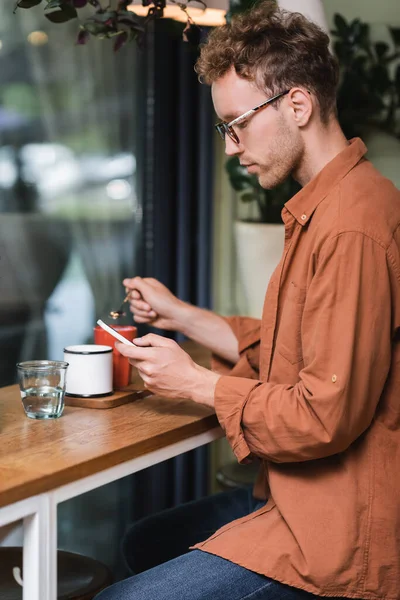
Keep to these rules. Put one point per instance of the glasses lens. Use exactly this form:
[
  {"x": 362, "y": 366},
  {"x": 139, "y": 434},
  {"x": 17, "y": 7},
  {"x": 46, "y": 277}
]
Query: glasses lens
[
  {"x": 232, "y": 134},
  {"x": 221, "y": 130}
]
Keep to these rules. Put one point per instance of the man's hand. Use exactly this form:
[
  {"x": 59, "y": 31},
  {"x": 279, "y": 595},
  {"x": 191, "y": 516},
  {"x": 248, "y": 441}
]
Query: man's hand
[
  {"x": 168, "y": 371},
  {"x": 152, "y": 302}
]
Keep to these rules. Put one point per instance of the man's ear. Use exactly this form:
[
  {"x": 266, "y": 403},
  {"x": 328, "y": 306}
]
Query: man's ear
[{"x": 301, "y": 105}]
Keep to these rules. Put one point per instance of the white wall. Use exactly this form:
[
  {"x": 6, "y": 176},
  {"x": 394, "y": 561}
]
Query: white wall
[{"x": 371, "y": 11}]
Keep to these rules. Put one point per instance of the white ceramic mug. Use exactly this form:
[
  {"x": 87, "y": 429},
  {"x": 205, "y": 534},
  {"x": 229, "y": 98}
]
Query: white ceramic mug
[{"x": 90, "y": 370}]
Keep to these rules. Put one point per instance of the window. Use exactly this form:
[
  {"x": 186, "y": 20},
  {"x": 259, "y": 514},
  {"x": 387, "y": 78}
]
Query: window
[{"x": 69, "y": 215}]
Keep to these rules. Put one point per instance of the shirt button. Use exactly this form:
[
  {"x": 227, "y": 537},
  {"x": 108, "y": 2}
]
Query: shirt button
[
  {"x": 334, "y": 378},
  {"x": 303, "y": 217}
]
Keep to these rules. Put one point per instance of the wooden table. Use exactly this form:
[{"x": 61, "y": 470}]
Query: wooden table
[{"x": 45, "y": 462}]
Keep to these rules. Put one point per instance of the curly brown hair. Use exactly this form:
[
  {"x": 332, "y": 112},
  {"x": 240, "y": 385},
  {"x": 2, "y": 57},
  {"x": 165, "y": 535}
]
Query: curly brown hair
[{"x": 277, "y": 50}]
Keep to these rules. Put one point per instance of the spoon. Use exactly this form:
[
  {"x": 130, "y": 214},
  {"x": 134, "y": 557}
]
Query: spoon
[{"x": 115, "y": 314}]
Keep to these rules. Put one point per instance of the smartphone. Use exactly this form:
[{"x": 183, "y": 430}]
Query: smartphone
[{"x": 115, "y": 333}]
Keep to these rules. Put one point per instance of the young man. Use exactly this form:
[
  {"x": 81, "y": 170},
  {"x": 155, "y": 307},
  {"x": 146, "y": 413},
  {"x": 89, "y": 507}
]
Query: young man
[{"x": 314, "y": 387}]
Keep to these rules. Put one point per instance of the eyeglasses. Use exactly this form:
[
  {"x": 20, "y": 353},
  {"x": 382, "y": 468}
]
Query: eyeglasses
[{"x": 224, "y": 128}]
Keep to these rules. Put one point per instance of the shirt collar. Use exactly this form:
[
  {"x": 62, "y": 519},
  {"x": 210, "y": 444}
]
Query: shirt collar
[{"x": 304, "y": 203}]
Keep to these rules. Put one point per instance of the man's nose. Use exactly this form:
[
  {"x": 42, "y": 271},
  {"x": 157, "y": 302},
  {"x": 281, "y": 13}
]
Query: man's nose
[{"x": 231, "y": 147}]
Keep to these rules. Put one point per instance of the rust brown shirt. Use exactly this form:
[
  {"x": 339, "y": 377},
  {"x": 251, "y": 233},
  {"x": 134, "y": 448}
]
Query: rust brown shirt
[{"x": 316, "y": 393}]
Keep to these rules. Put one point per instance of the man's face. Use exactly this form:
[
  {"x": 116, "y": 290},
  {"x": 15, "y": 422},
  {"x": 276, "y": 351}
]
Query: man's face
[{"x": 271, "y": 146}]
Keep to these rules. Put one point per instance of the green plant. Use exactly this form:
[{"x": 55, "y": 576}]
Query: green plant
[
  {"x": 369, "y": 91},
  {"x": 238, "y": 6},
  {"x": 368, "y": 96},
  {"x": 111, "y": 21}
]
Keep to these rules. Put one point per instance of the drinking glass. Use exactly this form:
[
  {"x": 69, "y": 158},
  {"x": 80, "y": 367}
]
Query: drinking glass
[{"x": 42, "y": 385}]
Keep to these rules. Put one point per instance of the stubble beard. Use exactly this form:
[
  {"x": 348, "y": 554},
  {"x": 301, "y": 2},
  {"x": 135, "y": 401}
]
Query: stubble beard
[{"x": 285, "y": 156}]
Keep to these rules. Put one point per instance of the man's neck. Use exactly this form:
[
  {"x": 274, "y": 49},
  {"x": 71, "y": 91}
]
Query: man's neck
[{"x": 322, "y": 145}]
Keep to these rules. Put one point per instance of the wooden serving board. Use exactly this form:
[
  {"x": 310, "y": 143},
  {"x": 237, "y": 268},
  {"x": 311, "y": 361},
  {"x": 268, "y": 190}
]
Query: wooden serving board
[{"x": 128, "y": 394}]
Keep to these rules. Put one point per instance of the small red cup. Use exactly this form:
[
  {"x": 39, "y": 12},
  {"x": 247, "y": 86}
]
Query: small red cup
[{"x": 122, "y": 369}]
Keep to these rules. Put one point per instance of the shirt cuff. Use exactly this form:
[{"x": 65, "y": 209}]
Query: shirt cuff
[{"x": 231, "y": 395}]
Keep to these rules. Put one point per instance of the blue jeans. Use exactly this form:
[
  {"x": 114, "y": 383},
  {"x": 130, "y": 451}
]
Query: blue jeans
[{"x": 156, "y": 550}]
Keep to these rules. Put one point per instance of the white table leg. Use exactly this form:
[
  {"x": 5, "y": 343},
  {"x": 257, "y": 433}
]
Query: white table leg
[{"x": 40, "y": 551}]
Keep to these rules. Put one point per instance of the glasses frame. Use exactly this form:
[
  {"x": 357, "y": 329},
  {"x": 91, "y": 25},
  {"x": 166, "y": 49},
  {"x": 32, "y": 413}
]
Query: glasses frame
[{"x": 224, "y": 128}]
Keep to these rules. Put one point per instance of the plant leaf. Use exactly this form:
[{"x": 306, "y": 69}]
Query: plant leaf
[
  {"x": 363, "y": 38},
  {"x": 131, "y": 30},
  {"x": 192, "y": 34},
  {"x": 240, "y": 183},
  {"x": 110, "y": 15},
  {"x": 341, "y": 25},
  {"x": 62, "y": 16},
  {"x": 27, "y": 3},
  {"x": 131, "y": 27},
  {"x": 380, "y": 79},
  {"x": 355, "y": 28},
  {"x": 83, "y": 37},
  {"x": 248, "y": 197},
  {"x": 397, "y": 82},
  {"x": 94, "y": 28},
  {"x": 343, "y": 52},
  {"x": 395, "y": 33},
  {"x": 54, "y": 4},
  {"x": 120, "y": 41},
  {"x": 381, "y": 48},
  {"x": 127, "y": 16}
]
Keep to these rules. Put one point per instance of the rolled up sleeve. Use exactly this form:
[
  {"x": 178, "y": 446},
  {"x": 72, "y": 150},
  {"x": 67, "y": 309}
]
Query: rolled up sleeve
[
  {"x": 346, "y": 341},
  {"x": 247, "y": 332}
]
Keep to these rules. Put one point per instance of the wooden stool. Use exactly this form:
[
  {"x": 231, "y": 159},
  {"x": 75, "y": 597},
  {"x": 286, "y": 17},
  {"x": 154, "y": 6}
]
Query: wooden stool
[
  {"x": 234, "y": 475},
  {"x": 79, "y": 577}
]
